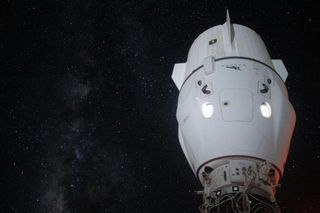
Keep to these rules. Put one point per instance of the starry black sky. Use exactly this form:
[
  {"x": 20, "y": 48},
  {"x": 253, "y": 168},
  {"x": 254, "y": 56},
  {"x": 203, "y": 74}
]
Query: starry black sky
[{"x": 88, "y": 105}]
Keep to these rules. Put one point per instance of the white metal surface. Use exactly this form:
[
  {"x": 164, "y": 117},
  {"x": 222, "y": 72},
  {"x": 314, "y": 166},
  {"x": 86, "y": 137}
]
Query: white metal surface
[
  {"x": 280, "y": 68},
  {"x": 230, "y": 70},
  {"x": 178, "y": 74}
]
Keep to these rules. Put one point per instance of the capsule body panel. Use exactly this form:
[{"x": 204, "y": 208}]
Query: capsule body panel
[
  {"x": 236, "y": 125},
  {"x": 233, "y": 112}
]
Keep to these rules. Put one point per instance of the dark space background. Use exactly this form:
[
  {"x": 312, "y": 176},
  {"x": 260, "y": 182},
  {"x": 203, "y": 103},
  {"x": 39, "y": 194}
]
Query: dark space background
[{"x": 88, "y": 105}]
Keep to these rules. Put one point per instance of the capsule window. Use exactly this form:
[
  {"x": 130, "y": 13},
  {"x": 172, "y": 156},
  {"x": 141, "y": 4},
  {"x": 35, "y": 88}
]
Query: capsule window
[
  {"x": 265, "y": 109},
  {"x": 207, "y": 110}
]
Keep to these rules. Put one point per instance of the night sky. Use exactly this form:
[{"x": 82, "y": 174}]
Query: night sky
[{"x": 88, "y": 105}]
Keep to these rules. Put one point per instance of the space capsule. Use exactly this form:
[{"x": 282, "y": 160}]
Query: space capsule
[{"x": 235, "y": 119}]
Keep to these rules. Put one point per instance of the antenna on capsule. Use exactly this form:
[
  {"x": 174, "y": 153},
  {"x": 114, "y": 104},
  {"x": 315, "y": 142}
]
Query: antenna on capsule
[{"x": 228, "y": 32}]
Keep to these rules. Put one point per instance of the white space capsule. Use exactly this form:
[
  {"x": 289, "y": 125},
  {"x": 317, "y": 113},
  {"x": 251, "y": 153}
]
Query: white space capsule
[{"x": 235, "y": 119}]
